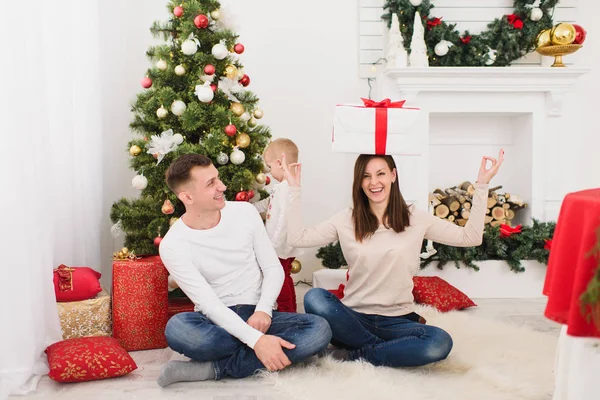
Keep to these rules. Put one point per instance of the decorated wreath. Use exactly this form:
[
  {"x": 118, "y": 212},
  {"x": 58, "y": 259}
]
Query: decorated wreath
[{"x": 507, "y": 38}]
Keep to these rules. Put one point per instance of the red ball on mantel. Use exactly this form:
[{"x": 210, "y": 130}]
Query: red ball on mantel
[
  {"x": 239, "y": 48},
  {"x": 157, "y": 240},
  {"x": 241, "y": 196},
  {"x": 580, "y": 34},
  {"x": 178, "y": 11},
  {"x": 209, "y": 69},
  {"x": 230, "y": 130},
  {"x": 146, "y": 82},
  {"x": 201, "y": 21},
  {"x": 245, "y": 81}
]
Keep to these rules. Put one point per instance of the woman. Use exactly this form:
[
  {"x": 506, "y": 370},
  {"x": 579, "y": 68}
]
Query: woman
[{"x": 381, "y": 239}]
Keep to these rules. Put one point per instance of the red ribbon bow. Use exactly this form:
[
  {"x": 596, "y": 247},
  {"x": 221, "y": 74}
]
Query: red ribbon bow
[
  {"x": 548, "y": 244},
  {"x": 381, "y": 117},
  {"x": 465, "y": 39},
  {"x": 508, "y": 231},
  {"x": 65, "y": 277},
  {"x": 515, "y": 21}
]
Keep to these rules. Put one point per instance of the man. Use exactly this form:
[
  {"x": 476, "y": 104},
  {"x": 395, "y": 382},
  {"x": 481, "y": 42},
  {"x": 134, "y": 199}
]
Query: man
[{"x": 219, "y": 254}]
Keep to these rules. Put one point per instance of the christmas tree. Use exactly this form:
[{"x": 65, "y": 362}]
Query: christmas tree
[{"x": 194, "y": 100}]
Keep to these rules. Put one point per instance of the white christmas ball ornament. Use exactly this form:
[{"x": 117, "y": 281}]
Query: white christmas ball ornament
[
  {"x": 189, "y": 47},
  {"x": 219, "y": 51},
  {"x": 416, "y": 3},
  {"x": 204, "y": 92},
  {"x": 491, "y": 59},
  {"x": 139, "y": 182},
  {"x": 237, "y": 157},
  {"x": 179, "y": 70},
  {"x": 441, "y": 49},
  {"x": 161, "y": 65},
  {"x": 216, "y": 15},
  {"x": 161, "y": 112},
  {"x": 178, "y": 107},
  {"x": 178, "y": 138},
  {"x": 222, "y": 158},
  {"x": 536, "y": 14}
]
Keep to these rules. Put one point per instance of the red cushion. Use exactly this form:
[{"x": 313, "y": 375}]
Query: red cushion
[
  {"x": 436, "y": 292},
  {"x": 76, "y": 283},
  {"x": 88, "y": 359}
]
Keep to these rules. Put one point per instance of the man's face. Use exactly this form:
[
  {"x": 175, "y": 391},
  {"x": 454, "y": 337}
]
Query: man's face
[{"x": 205, "y": 190}]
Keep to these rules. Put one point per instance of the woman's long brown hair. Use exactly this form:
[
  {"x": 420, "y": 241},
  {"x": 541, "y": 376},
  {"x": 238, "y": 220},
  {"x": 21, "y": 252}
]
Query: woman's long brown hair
[{"x": 396, "y": 215}]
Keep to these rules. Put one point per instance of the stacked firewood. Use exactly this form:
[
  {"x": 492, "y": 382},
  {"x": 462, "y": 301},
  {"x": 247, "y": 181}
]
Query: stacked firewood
[{"x": 455, "y": 203}]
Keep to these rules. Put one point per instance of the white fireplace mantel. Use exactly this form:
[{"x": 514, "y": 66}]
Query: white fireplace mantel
[{"x": 554, "y": 82}]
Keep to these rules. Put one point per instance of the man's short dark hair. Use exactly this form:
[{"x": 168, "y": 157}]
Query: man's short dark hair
[{"x": 178, "y": 172}]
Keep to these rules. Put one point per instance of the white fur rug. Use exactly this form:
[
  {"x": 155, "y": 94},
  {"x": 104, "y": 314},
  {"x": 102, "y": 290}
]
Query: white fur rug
[{"x": 490, "y": 360}]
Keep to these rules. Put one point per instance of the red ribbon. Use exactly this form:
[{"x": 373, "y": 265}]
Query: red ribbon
[
  {"x": 465, "y": 39},
  {"x": 381, "y": 118},
  {"x": 507, "y": 231},
  {"x": 433, "y": 22},
  {"x": 515, "y": 21}
]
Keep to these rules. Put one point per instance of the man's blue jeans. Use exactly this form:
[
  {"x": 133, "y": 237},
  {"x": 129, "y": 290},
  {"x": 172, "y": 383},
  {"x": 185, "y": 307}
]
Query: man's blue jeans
[
  {"x": 195, "y": 336},
  {"x": 391, "y": 341}
]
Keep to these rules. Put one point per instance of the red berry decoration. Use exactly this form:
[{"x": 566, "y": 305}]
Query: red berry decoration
[
  {"x": 239, "y": 48},
  {"x": 241, "y": 196},
  {"x": 268, "y": 181},
  {"x": 230, "y": 130},
  {"x": 580, "y": 34},
  {"x": 201, "y": 21},
  {"x": 146, "y": 82},
  {"x": 245, "y": 81},
  {"x": 209, "y": 69},
  {"x": 157, "y": 241},
  {"x": 178, "y": 11}
]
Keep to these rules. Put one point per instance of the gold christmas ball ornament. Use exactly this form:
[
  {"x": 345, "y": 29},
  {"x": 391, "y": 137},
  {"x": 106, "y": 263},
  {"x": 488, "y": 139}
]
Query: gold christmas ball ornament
[
  {"x": 125, "y": 250},
  {"x": 237, "y": 108},
  {"x": 252, "y": 123},
  {"x": 258, "y": 113},
  {"x": 543, "y": 38},
  {"x": 216, "y": 15},
  {"x": 563, "y": 33},
  {"x": 231, "y": 71},
  {"x": 296, "y": 267},
  {"x": 243, "y": 140},
  {"x": 261, "y": 178},
  {"x": 135, "y": 150}
]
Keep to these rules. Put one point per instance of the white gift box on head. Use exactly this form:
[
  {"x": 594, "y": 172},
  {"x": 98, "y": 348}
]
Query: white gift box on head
[{"x": 382, "y": 127}]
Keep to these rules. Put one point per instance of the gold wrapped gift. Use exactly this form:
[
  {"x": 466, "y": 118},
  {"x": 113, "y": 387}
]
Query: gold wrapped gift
[{"x": 86, "y": 318}]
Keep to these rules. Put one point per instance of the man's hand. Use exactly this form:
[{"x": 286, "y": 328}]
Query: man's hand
[
  {"x": 269, "y": 351},
  {"x": 260, "y": 321}
]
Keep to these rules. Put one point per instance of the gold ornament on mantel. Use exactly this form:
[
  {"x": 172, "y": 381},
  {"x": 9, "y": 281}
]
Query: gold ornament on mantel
[
  {"x": 231, "y": 71},
  {"x": 243, "y": 140},
  {"x": 237, "y": 108},
  {"x": 557, "y": 42},
  {"x": 135, "y": 150},
  {"x": 296, "y": 267}
]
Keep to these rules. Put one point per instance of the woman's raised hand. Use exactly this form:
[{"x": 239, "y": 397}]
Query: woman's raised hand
[
  {"x": 292, "y": 172},
  {"x": 485, "y": 174}
]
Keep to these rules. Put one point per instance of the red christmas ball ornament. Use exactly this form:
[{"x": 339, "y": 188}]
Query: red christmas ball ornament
[
  {"x": 230, "y": 130},
  {"x": 268, "y": 181},
  {"x": 250, "y": 194},
  {"x": 209, "y": 69},
  {"x": 146, "y": 82},
  {"x": 213, "y": 87},
  {"x": 241, "y": 196},
  {"x": 239, "y": 48},
  {"x": 178, "y": 11},
  {"x": 157, "y": 240},
  {"x": 245, "y": 81},
  {"x": 201, "y": 21},
  {"x": 580, "y": 34}
]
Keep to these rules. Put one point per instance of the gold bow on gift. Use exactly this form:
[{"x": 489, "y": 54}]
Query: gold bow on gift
[
  {"x": 65, "y": 277},
  {"x": 124, "y": 254}
]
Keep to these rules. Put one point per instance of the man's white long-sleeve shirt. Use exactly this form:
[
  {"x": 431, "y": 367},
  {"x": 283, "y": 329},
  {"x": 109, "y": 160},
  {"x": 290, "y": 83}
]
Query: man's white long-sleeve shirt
[{"x": 232, "y": 263}]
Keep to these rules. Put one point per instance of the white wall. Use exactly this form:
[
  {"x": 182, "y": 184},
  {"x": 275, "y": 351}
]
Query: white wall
[{"x": 302, "y": 59}]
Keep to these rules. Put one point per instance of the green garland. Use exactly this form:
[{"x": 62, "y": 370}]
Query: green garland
[
  {"x": 590, "y": 299},
  {"x": 511, "y": 36},
  {"x": 530, "y": 244}
]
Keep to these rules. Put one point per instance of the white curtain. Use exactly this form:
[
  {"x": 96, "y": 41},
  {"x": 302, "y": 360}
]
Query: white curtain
[{"x": 50, "y": 172}]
